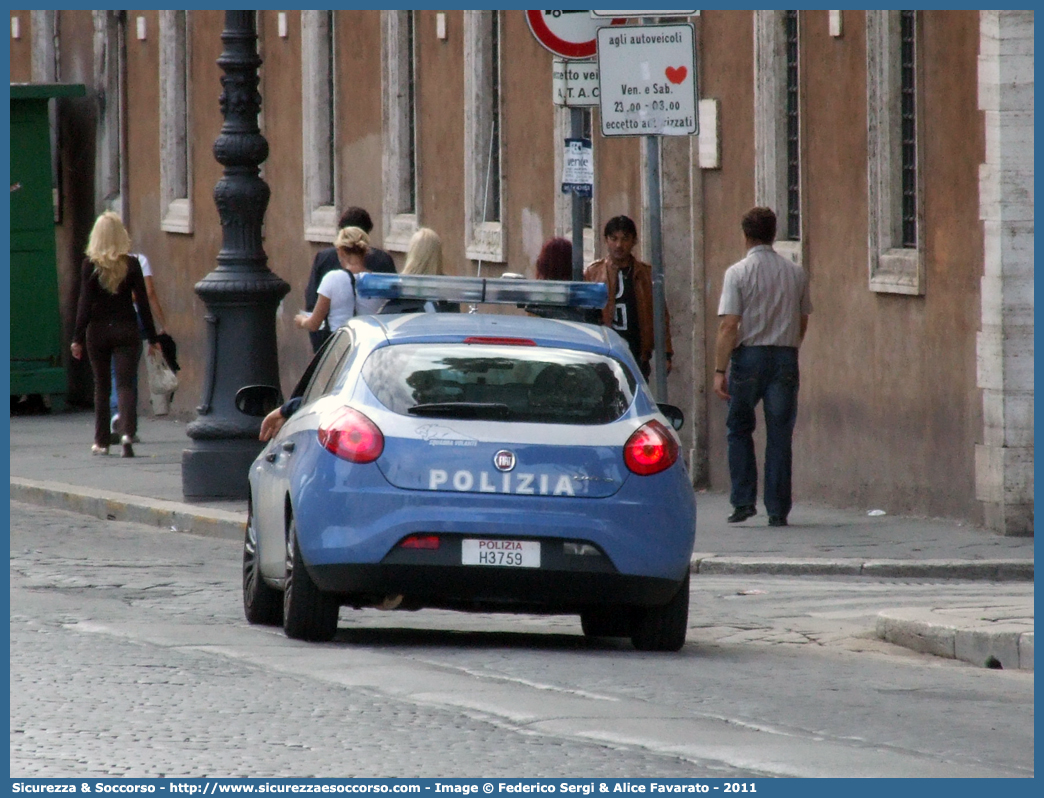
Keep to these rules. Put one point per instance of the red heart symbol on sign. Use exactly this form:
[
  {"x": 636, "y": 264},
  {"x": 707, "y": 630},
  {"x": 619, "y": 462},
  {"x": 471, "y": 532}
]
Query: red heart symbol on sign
[{"x": 676, "y": 74}]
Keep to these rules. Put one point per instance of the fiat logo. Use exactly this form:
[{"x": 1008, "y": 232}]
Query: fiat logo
[{"x": 504, "y": 460}]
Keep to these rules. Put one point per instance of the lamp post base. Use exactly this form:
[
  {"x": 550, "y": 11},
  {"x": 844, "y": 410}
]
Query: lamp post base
[{"x": 218, "y": 469}]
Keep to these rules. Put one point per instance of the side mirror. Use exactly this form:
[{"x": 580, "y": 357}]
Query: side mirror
[
  {"x": 673, "y": 415},
  {"x": 258, "y": 400}
]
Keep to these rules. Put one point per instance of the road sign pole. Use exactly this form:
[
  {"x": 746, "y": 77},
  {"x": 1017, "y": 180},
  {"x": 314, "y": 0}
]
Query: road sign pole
[
  {"x": 655, "y": 234},
  {"x": 576, "y": 130},
  {"x": 655, "y": 237},
  {"x": 571, "y": 35}
]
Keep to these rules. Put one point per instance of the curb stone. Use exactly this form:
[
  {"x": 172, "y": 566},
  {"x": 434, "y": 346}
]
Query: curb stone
[
  {"x": 991, "y": 570},
  {"x": 978, "y": 642},
  {"x": 1007, "y": 570},
  {"x": 107, "y": 505},
  {"x": 783, "y": 566}
]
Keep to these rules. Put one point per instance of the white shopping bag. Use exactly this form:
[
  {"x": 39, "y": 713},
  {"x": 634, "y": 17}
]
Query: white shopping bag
[{"x": 162, "y": 382}]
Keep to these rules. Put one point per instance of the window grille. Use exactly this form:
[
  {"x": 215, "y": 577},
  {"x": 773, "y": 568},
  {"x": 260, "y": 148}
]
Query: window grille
[
  {"x": 908, "y": 115},
  {"x": 777, "y": 125},
  {"x": 895, "y": 252},
  {"x": 328, "y": 177},
  {"x": 790, "y": 22},
  {"x": 410, "y": 200}
]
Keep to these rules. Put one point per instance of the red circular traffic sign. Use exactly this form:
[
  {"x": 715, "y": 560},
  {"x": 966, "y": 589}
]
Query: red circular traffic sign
[{"x": 567, "y": 34}]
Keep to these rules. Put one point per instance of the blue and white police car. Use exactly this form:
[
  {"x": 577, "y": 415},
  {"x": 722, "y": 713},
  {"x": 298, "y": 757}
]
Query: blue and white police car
[{"x": 473, "y": 462}]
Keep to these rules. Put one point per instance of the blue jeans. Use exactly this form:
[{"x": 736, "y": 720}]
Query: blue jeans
[
  {"x": 757, "y": 373},
  {"x": 112, "y": 395}
]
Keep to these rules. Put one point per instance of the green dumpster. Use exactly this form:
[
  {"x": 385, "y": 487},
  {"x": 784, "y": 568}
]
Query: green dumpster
[{"x": 36, "y": 325}]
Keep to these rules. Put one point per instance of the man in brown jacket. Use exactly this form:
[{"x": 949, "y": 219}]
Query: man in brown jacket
[{"x": 629, "y": 310}]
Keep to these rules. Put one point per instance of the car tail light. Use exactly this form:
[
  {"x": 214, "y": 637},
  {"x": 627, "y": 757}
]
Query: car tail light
[
  {"x": 420, "y": 542},
  {"x": 350, "y": 435},
  {"x": 650, "y": 449}
]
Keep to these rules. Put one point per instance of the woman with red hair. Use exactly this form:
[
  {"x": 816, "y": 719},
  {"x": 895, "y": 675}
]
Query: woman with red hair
[{"x": 555, "y": 261}]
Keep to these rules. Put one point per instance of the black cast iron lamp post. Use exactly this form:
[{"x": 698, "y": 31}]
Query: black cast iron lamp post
[{"x": 241, "y": 294}]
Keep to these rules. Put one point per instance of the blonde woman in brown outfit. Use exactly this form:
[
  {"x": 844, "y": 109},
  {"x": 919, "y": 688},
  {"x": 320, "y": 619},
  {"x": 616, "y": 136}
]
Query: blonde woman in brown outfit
[{"x": 110, "y": 283}]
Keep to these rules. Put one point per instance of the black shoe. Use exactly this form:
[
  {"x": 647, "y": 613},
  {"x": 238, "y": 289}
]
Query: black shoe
[
  {"x": 742, "y": 513},
  {"x": 128, "y": 450},
  {"x": 777, "y": 520}
]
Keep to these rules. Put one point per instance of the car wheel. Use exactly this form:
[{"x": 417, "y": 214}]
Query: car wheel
[
  {"x": 663, "y": 628},
  {"x": 308, "y": 613},
  {"x": 607, "y": 622},
  {"x": 261, "y": 603}
]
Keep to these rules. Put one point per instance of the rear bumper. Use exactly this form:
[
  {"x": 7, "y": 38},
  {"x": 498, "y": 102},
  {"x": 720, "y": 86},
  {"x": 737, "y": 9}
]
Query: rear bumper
[{"x": 490, "y": 589}]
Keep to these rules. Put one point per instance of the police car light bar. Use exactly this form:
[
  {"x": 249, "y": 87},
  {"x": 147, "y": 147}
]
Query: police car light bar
[{"x": 479, "y": 290}]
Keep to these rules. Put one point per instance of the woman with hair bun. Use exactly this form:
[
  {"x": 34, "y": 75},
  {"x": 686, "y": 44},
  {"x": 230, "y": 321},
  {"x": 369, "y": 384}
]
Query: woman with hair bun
[
  {"x": 337, "y": 297},
  {"x": 110, "y": 283}
]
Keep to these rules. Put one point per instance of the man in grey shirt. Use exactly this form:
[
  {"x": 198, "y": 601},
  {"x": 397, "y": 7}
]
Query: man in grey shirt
[{"x": 764, "y": 312}]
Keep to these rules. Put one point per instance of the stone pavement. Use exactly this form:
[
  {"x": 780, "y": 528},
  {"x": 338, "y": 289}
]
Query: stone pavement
[{"x": 51, "y": 465}]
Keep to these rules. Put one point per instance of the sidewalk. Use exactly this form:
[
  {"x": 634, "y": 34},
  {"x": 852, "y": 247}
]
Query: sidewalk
[{"x": 51, "y": 465}]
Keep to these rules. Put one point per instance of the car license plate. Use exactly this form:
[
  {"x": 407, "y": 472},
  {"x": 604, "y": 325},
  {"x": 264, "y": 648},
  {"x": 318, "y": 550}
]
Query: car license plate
[{"x": 510, "y": 553}]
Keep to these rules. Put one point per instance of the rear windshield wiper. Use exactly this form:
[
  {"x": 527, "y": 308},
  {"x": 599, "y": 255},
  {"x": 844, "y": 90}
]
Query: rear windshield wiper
[{"x": 475, "y": 410}]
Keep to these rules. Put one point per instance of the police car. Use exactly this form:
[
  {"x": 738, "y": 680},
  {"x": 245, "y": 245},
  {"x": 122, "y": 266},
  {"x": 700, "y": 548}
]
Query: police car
[{"x": 472, "y": 462}]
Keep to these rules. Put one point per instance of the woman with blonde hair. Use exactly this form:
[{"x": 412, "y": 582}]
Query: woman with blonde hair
[
  {"x": 424, "y": 257},
  {"x": 111, "y": 283},
  {"x": 337, "y": 298}
]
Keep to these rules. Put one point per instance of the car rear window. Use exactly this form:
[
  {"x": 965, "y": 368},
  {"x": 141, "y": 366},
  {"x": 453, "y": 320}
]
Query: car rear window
[{"x": 502, "y": 383}]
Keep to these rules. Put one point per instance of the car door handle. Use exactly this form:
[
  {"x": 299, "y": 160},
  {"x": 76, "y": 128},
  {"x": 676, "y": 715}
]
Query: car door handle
[{"x": 288, "y": 446}]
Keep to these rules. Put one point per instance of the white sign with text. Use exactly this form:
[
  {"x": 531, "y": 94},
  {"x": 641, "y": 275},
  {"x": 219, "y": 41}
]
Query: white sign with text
[
  {"x": 574, "y": 83},
  {"x": 647, "y": 80}
]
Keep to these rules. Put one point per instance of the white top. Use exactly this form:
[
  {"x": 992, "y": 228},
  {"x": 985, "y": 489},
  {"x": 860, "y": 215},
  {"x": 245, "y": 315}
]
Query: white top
[
  {"x": 336, "y": 286},
  {"x": 771, "y": 295},
  {"x": 146, "y": 269}
]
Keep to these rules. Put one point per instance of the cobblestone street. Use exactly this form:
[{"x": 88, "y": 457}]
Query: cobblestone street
[{"x": 129, "y": 656}]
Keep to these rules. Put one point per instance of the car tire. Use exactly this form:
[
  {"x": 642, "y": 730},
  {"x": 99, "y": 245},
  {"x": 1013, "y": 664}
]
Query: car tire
[
  {"x": 607, "y": 622},
  {"x": 261, "y": 604},
  {"x": 308, "y": 613},
  {"x": 663, "y": 628}
]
